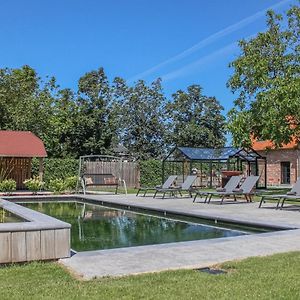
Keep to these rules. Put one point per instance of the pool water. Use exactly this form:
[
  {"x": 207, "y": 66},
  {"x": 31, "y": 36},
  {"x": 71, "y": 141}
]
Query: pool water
[
  {"x": 8, "y": 217},
  {"x": 97, "y": 227}
]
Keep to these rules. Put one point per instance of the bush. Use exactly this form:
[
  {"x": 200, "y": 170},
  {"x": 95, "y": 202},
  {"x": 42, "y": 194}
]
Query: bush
[
  {"x": 34, "y": 184},
  {"x": 8, "y": 186},
  {"x": 151, "y": 172},
  {"x": 56, "y": 168},
  {"x": 71, "y": 182},
  {"x": 57, "y": 185}
]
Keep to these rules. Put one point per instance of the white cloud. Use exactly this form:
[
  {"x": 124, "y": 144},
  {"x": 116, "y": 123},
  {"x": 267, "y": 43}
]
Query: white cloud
[{"x": 209, "y": 40}]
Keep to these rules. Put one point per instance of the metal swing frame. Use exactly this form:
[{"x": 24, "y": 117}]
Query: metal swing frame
[{"x": 109, "y": 174}]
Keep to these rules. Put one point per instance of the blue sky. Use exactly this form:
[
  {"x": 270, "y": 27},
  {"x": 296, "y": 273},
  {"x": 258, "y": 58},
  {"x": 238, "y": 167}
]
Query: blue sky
[{"x": 184, "y": 42}]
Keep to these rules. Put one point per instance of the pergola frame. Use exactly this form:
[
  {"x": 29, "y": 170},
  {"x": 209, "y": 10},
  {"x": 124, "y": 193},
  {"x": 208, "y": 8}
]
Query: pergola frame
[{"x": 229, "y": 157}]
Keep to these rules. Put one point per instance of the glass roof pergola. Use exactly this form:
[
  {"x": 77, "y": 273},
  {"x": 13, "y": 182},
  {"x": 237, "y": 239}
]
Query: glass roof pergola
[{"x": 209, "y": 160}]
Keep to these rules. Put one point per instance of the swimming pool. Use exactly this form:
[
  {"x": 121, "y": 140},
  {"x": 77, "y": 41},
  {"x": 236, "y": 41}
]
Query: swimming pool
[
  {"x": 96, "y": 227},
  {"x": 8, "y": 217}
]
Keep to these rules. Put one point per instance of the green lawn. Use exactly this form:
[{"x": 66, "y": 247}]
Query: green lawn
[{"x": 273, "y": 277}]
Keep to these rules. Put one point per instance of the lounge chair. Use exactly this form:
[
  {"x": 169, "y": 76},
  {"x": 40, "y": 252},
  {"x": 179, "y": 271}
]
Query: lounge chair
[
  {"x": 232, "y": 184},
  {"x": 293, "y": 194},
  {"x": 168, "y": 183},
  {"x": 185, "y": 186},
  {"x": 246, "y": 189}
]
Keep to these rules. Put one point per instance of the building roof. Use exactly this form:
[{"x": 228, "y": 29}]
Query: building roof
[
  {"x": 213, "y": 154},
  {"x": 21, "y": 144},
  {"x": 264, "y": 145}
]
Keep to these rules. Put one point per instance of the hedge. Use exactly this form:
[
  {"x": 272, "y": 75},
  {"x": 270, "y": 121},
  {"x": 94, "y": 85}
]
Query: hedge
[
  {"x": 61, "y": 168},
  {"x": 151, "y": 172},
  {"x": 56, "y": 168}
]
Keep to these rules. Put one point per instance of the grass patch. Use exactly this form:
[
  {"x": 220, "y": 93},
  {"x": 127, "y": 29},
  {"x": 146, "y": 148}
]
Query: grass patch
[{"x": 273, "y": 277}]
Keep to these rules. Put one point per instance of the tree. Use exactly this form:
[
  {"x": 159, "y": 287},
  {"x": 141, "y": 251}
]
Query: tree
[
  {"x": 94, "y": 132},
  {"x": 195, "y": 120},
  {"x": 25, "y": 101},
  {"x": 141, "y": 122},
  {"x": 63, "y": 139},
  {"x": 266, "y": 79}
]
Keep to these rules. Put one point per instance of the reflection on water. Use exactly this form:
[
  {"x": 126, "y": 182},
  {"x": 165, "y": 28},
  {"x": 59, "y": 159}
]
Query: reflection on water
[
  {"x": 8, "y": 217},
  {"x": 96, "y": 227}
]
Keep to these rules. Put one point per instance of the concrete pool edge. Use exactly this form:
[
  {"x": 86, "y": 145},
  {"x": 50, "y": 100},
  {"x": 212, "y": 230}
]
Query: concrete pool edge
[{"x": 182, "y": 255}]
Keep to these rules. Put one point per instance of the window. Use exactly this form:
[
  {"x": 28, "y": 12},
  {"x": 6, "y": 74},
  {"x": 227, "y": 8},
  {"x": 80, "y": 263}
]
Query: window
[{"x": 285, "y": 172}]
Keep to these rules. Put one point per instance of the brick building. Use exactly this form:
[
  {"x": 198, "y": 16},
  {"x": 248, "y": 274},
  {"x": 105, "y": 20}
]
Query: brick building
[{"x": 282, "y": 164}]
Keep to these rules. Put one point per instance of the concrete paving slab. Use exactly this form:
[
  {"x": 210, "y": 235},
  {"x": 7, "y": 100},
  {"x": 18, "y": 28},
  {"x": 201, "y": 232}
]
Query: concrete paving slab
[{"x": 193, "y": 254}]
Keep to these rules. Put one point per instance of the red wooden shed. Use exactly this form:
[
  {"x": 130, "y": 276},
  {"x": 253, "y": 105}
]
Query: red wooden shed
[{"x": 17, "y": 148}]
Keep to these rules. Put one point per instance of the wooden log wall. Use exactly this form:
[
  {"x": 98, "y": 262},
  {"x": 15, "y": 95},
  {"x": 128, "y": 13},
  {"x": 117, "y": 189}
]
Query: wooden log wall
[{"x": 16, "y": 168}]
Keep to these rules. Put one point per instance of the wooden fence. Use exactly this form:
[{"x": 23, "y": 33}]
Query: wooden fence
[{"x": 128, "y": 171}]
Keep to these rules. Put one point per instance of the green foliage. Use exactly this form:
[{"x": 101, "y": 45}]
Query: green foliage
[
  {"x": 151, "y": 172},
  {"x": 195, "y": 120},
  {"x": 141, "y": 118},
  {"x": 57, "y": 185},
  {"x": 34, "y": 184},
  {"x": 8, "y": 186},
  {"x": 100, "y": 115},
  {"x": 266, "y": 80},
  {"x": 56, "y": 168},
  {"x": 71, "y": 182}
]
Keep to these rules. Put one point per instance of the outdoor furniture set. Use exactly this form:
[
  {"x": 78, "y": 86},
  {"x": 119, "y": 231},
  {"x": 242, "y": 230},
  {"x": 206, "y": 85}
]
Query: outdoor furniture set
[{"x": 236, "y": 186}]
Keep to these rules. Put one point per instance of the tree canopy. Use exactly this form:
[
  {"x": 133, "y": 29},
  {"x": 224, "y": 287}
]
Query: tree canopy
[
  {"x": 195, "y": 120},
  {"x": 101, "y": 114},
  {"x": 266, "y": 80}
]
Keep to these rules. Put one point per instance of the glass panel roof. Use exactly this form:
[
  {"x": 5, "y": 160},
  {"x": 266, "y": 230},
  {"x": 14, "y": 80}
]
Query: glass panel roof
[{"x": 218, "y": 154}]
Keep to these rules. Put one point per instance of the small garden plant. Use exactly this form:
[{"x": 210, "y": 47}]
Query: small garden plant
[
  {"x": 34, "y": 184},
  {"x": 8, "y": 186},
  {"x": 60, "y": 185}
]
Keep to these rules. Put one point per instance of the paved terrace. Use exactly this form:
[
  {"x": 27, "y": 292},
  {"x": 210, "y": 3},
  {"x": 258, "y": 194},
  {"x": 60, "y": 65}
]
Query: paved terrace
[{"x": 194, "y": 254}]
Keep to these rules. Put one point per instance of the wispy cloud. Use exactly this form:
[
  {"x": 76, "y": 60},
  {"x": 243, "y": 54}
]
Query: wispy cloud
[
  {"x": 209, "y": 40},
  {"x": 196, "y": 64}
]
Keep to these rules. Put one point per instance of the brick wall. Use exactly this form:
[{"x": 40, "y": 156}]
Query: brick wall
[{"x": 274, "y": 159}]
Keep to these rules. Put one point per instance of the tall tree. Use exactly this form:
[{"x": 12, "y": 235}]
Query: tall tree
[
  {"x": 25, "y": 101},
  {"x": 267, "y": 79},
  {"x": 141, "y": 122},
  {"x": 94, "y": 103},
  {"x": 195, "y": 120}
]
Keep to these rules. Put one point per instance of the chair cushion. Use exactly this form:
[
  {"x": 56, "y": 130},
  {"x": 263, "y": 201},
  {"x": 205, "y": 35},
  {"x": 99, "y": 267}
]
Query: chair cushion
[
  {"x": 111, "y": 180},
  {"x": 238, "y": 190},
  {"x": 88, "y": 180},
  {"x": 220, "y": 189}
]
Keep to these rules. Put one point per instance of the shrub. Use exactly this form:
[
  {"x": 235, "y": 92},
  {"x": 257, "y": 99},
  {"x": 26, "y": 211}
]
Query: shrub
[
  {"x": 151, "y": 172},
  {"x": 56, "y": 168},
  {"x": 34, "y": 184},
  {"x": 57, "y": 185},
  {"x": 8, "y": 186},
  {"x": 71, "y": 182}
]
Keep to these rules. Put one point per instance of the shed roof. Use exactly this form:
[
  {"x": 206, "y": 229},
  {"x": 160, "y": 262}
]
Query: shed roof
[
  {"x": 21, "y": 144},
  {"x": 217, "y": 154}
]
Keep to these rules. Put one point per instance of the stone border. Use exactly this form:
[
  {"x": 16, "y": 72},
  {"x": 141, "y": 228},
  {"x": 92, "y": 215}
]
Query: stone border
[{"x": 40, "y": 238}]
